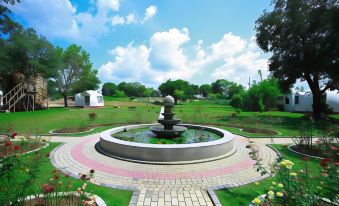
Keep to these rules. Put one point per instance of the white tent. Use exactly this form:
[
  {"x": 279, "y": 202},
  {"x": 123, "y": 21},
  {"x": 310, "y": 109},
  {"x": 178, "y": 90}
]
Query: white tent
[
  {"x": 302, "y": 101},
  {"x": 1, "y": 95},
  {"x": 89, "y": 98}
]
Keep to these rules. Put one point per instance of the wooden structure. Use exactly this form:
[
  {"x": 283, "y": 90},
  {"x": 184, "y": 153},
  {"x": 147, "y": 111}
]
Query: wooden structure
[{"x": 28, "y": 95}]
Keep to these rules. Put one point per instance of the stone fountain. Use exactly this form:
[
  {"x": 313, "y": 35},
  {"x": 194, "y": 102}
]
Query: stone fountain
[{"x": 168, "y": 128}]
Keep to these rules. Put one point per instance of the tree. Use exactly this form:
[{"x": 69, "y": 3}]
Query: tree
[
  {"x": 133, "y": 89},
  {"x": 109, "y": 89},
  {"x": 179, "y": 94},
  {"x": 25, "y": 53},
  {"x": 74, "y": 67},
  {"x": 168, "y": 88},
  {"x": 205, "y": 89},
  {"x": 87, "y": 81},
  {"x": 226, "y": 88},
  {"x": 302, "y": 36}
]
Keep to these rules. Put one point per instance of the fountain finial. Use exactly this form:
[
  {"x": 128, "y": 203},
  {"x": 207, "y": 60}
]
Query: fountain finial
[{"x": 168, "y": 128}]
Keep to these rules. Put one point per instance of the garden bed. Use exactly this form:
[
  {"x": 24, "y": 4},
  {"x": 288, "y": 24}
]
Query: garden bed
[
  {"x": 71, "y": 130},
  {"x": 315, "y": 152},
  {"x": 19, "y": 148},
  {"x": 258, "y": 131}
]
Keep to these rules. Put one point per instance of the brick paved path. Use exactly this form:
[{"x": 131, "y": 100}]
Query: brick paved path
[{"x": 161, "y": 184}]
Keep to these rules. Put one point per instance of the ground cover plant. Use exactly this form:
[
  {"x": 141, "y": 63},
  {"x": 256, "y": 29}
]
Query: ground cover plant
[
  {"x": 127, "y": 111},
  {"x": 243, "y": 195},
  {"x": 35, "y": 171}
]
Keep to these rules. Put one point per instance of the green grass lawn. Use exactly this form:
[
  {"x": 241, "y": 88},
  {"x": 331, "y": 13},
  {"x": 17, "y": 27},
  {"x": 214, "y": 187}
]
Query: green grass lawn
[
  {"x": 123, "y": 111},
  {"x": 243, "y": 195},
  {"x": 111, "y": 196}
]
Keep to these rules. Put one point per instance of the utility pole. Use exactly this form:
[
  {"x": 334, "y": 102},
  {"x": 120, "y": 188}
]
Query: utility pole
[{"x": 249, "y": 82}]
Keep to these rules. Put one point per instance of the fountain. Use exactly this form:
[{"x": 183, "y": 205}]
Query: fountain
[
  {"x": 166, "y": 143},
  {"x": 168, "y": 128}
]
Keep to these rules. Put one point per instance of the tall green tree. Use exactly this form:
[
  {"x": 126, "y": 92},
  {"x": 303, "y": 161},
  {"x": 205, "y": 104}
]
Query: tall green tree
[
  {"x": 226, "y": 88},
  {"x": 109, "y": 89},
  {"x": 302, "y": 36},
  {"x": 74, "y": 71},
  {"x": 24, "y": 52},
  {"x": 205, "y": 89},
  {"x": 169, "y": 87}
]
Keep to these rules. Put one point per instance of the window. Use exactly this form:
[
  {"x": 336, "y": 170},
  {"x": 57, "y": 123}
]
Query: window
[
  {"x": 100, "y": 99},
  {"x": 296, "y": 100},
  {"x": 287, "y": 100}
]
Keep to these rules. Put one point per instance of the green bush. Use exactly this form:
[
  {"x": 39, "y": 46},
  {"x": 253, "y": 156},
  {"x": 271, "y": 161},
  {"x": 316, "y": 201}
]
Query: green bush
[{"x": 237, "y": 101}]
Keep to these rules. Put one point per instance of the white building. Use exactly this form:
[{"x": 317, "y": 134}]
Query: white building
[
  {"x": 1, "y": 95},
  {"x": 302, "y": 101},
  {"x": 89, "y": 98}
]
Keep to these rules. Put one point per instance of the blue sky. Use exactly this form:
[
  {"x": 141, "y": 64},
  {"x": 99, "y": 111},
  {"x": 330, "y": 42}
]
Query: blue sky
[{"x": 152, "y": 41}]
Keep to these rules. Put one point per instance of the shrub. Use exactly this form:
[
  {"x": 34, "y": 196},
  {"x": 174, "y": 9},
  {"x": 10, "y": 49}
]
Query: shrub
[
  {"x": 237, "y": 101},
  {"x": 92, "y": 116}
]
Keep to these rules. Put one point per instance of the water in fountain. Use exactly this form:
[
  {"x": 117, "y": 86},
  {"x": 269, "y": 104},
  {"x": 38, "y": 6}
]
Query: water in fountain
[{"x": 168, "y": 127}]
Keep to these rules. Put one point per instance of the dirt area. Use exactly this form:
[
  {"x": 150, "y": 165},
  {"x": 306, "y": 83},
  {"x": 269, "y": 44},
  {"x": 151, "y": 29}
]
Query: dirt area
[
  {"x": 60, "y": 103},
  {"x": 18, "y": 148},
  {"x": 66, "y": 201}
]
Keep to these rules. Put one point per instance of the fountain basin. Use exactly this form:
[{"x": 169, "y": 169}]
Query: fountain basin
[
  {"x": 166, "y": 153},
  {"x": 172, "y": 133}
]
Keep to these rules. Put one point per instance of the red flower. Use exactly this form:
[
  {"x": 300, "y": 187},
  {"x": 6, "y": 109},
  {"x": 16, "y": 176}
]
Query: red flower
[
  {"x": 17, "y": 147},
  {"x": 83, "y": 177},
  {"x": 9, "y": 143},
  {"x": 336, "y": 162},
  {"x": 13, "y": 135},
  {"x": 324, "y": 162},
  {"x": 47, "y": 189},
  {"x": 55, "y": 177}
]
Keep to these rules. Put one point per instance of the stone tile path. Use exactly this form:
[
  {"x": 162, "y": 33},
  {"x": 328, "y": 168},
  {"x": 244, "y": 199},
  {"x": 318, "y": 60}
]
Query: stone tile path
[{"x": 160, "y": 184}]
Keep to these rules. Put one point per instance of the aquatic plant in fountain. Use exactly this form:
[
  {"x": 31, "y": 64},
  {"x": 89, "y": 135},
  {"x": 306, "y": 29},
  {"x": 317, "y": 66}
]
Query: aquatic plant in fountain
[{"x": 168, "y": 128}]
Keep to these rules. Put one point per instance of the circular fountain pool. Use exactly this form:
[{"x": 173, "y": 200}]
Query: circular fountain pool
[{"x": 197, "y": 144}]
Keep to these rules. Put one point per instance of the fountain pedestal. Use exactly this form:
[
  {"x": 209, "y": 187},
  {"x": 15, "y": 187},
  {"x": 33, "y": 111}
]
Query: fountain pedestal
[{"x": 168, "y": 128}]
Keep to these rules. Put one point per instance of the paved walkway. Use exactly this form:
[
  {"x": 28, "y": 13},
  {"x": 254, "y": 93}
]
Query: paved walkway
[{"x": 160, "y": 184}]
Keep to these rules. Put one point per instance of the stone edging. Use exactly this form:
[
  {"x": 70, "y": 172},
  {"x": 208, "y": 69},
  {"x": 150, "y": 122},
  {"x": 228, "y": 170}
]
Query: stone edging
[
  {"x": 277, "y": 133},
  {"x": 214, "y": 197},
  {"x": 292, "y": 150},
  {"x": 56, "y": 133},
  {"x": 98, "y": 200},
  {"x": 211, "y": 190}
]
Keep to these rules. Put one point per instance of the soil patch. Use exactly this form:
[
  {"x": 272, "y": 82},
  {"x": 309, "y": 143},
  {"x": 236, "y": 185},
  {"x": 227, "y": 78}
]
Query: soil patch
[
  {"x": 18, "y": 148},
  {"x": 72, "y": 130},
  {"x": 314, "y": 152},
  {"x": 66, "y": 201},
  {"x": 259, "y": 131}
]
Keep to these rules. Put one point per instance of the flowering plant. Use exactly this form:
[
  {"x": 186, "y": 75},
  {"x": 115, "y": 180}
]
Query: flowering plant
[{"x": 297, "y": 187}]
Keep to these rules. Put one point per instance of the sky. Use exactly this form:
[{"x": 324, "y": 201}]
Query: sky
[{"x": 152, "y": 41}]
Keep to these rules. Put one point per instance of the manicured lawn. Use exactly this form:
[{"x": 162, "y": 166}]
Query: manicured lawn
[
  {"x": 57, "y": 118},
  {"x": 123, "y": 111},
  {"x": 243, "y": 195},
  {"x": 111, "y": 196}
]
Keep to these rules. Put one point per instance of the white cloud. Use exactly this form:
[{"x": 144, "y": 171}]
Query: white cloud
[
  {"x": 108, "y": 4},
  {"x": 232, "y": 58},
  {"x": 149, "y": 13},
  {"x": 130, "y": 19},
  {"x": 117, "y": 20}
]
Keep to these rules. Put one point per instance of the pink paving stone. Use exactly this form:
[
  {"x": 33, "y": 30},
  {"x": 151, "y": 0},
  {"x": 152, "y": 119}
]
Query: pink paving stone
[{"x": 79, "y": 156}]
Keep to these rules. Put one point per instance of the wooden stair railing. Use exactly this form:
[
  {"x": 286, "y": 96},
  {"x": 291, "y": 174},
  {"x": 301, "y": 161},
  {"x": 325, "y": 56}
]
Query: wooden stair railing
[{"x": 14, "y": 96}]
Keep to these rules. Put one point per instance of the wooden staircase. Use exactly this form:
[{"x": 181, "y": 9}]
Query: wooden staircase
[{"x": 21, "y": 97}]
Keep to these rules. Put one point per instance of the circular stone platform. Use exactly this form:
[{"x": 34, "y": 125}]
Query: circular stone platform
[
  {"x": 157, "y": 183},
  {"x": 166, "y": 153}
]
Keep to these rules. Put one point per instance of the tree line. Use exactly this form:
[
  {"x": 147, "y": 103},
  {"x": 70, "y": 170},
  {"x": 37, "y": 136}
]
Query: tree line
[{"x": 24, "y": 53}]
